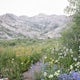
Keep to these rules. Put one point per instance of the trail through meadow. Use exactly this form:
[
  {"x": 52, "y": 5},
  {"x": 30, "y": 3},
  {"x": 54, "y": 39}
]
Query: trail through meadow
[{"x": 30, "y": 74}]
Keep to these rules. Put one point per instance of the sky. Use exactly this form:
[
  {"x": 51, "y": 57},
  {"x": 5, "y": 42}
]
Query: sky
[{"x": 33, "y": 7}]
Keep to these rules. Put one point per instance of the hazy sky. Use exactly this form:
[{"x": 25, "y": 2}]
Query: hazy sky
[{"x": 32, "y": 7}]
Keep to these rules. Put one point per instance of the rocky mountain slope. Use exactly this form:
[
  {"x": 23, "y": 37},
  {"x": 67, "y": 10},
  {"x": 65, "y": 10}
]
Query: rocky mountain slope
[{"x": 40, "y": 26}]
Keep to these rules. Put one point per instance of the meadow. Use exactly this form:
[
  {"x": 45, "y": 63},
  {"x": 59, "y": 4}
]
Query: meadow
[
  {"x": 16, "y": 56},
  {"x": 58, "y": 61}
]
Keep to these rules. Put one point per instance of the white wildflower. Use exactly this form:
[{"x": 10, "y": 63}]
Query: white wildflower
[
  {"x": 56, "y": 74},
  {"x": 76, "y": 69},
  {"x": 71, "y": 67},
  {"x": 66, "y": 49},
  {"x": 75, "y": 59},
  {"x": 79, "y": 50},
  {"x": 65, "y": 54},
  {"x": 12, "y": 59},
  {"x": 78, "y": 56},
  {"x": 45, "y": 57},
  {"x": 71, "y": 55},
  {"x": 56, "y": 61},
  {"x": 71, "y": 51},
  {"x": 58, "y": 71},
  {"x": 60, "y": 54},
  {"x": 45, "y": 74},
  {"x": 77, "y": 64},
  {"x": 22, "y": 63},
  {"x": 51, "y": 76},
  {"x": 79, "y": 47}
]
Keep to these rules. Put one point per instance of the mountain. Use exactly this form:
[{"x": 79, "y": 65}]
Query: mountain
[{"x": 40, "y": 26}]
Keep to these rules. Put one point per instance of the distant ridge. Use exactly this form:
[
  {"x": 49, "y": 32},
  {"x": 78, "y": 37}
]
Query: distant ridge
[{"x": 39, "y": 26}]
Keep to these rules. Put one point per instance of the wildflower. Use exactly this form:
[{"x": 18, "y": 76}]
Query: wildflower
[
  {"x": 71, "y": 67},
  {"x": 67, "y": 50},
  {"x": 71, "y": 51},
  {"x": 50, "y": 62},
  {"x": 79, "y": 50},
  {"x": 57, "y": 73},
  {"x": 76, "y": 69},
  {"x": 45, "y": 74},
  {"x": 75, "y": 59},
  {"x": 63, "y": 77},
  {"x": 45, "y": 57},
  {"x": 56, "y": 61},
  {"x": 77, "y": 64},
  {"x": 78, "y": 78},
  {"x": 12, "y": 59},
  {"x": 60, "y": 54},
  {"x": 50, "y": 48},
  {"x": 22, "y": 63},
  {"x": 79, "y": 56},
  {"x": 79, "y": 47},
  {"x": 71, "y": 55},
  {"x": 65, "y": 54},
  {"x": 51, "y": 76},
  {"x": 75, "y": 75}
]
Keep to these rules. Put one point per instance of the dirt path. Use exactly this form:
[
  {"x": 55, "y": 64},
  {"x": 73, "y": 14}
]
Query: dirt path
[{"x": 29, "y": 75}]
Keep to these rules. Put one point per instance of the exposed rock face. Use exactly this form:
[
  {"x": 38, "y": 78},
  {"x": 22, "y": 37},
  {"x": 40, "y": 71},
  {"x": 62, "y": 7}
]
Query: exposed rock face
[{"x": 40, "y": 26}]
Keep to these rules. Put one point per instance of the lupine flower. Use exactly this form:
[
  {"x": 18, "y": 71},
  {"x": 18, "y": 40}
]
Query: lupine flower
[
  {"x": 75, "y": 75},
  {"x": 78, "y": 78},
  {"x": 63, "y": 77}
]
